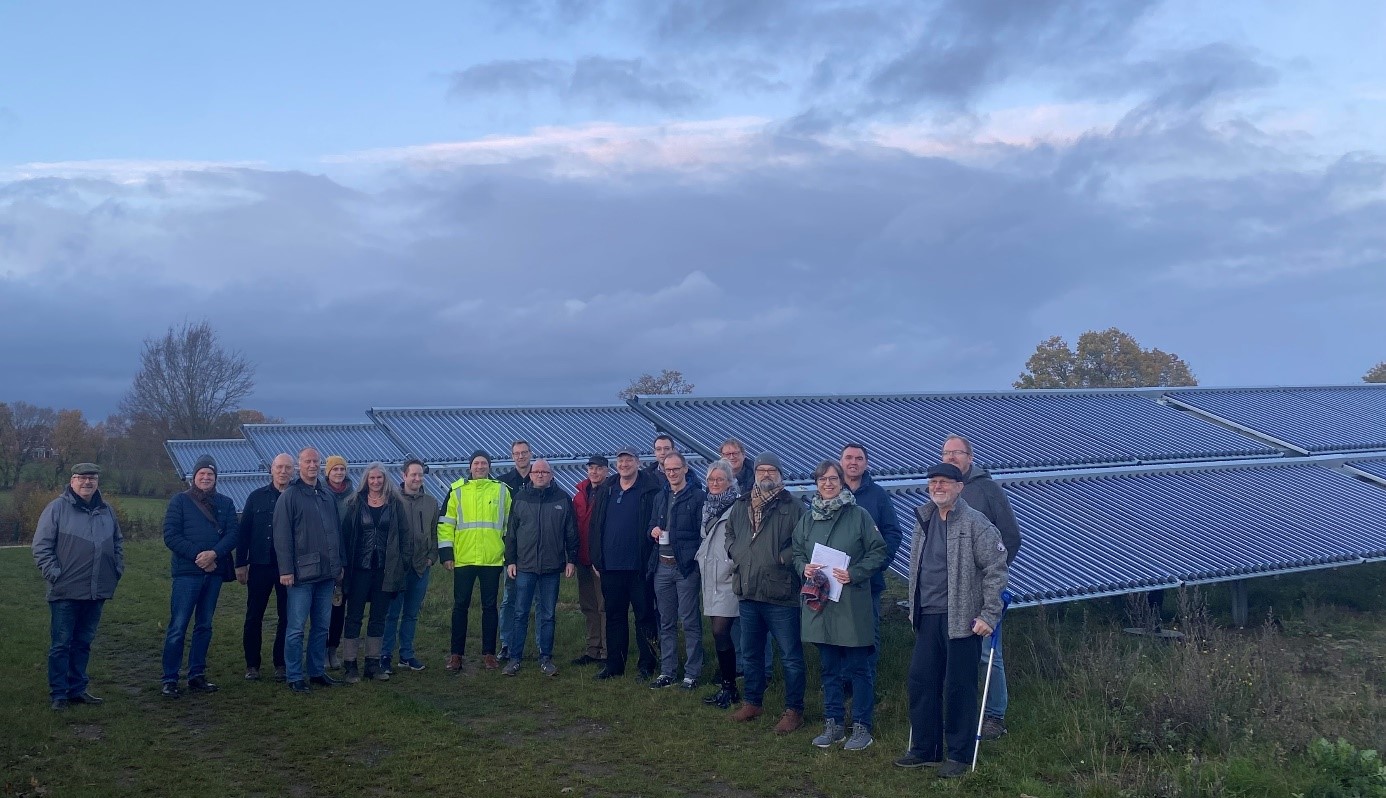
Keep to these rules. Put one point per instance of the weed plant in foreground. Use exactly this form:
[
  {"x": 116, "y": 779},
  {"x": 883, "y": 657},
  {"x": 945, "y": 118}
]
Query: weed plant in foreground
[{"x": 1094, "y": 712}]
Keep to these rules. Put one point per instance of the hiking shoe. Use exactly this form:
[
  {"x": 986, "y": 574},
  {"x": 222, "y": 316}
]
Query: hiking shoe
[
  {"x": 833, "y": 732},
  {"x": 747, "y": 712},
  {"x": 913, "y": 760},
  {"x": 723, "y": 698},
  {"x": 489, "y": 662},
  {"x": 511, "y": 668},
  {"x": 252, "y": 674},
  {"x": 662, "y": 682},
  {"x": 791, "y": 719},
  {"x": 688, "y": 684},
  {"x": 454, "y": 662},
  {"x": 199, "y": 684},
  {"x": 952, "y": 769},
  {"x": 382, "y": 674},
  {"x": 547, "y": 667},
  {"x": 861, "y": 738},
  {"x": 587, "y": 659},
  {"x": 350, "y": 673},
  {"x": 413, "y": 664},
  {"x": 170, "y": 690},
  {"x": 993, "y": 728}
]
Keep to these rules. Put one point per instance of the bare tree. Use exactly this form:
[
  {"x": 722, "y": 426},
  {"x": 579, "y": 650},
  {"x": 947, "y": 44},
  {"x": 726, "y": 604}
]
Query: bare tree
[
  {"x": 189, "y": 384},
  {"x": 668, "y": 382}
]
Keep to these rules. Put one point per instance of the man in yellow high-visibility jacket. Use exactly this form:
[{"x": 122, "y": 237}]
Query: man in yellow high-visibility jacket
[{"x": 471, "y": 545}]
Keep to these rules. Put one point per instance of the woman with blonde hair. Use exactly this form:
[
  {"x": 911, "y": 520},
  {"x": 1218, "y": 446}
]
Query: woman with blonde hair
[{"x": 376, "y": 550}]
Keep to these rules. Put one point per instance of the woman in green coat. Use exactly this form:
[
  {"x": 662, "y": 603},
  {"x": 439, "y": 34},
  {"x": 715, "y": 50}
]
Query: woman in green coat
[{"x": 844, "y": 629}]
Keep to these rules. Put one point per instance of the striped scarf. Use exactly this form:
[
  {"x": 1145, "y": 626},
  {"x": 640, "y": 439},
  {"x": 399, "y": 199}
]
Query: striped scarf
[{"x": 759, "y": 500}]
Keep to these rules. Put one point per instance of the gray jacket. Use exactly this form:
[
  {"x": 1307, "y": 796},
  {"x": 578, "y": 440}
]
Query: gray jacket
[
  {"x": 79, "y": 551},
  {"x": 976, "y": 566},
  {"x": 307, "y": 533}
]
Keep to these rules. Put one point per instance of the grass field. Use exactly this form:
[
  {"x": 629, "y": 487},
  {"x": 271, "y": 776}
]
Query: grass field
[{"x": 1093, "y": 712}]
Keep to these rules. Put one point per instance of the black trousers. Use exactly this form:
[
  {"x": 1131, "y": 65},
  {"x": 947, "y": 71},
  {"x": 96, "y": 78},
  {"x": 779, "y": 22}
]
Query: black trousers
[
  {"x": 464, "y": 578},
  {"x": 943, "y": 691},
  {"x": 365, "y": 587},
  {"x": 623, "y": 593},
  {"x": 334, "y": 624},
  {"x": 264, "y": 579}
]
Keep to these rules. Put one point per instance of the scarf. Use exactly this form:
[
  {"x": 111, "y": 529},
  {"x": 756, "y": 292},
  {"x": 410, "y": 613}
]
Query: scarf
[
  {"x": 825, "y": 510},
  {"x": 203, "y": 500},
  {"x": 759, "y": 500},
  {"x": 717, "y": 503}
]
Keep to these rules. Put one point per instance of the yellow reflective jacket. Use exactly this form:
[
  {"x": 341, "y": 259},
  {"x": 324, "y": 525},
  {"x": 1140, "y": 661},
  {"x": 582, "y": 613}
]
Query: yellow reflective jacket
[{"x": 472, "y": 527}]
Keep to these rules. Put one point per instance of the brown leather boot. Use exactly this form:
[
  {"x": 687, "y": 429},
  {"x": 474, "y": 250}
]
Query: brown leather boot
[
  {"x": 747, "y": 712},
  {"x": 454, "y": 662},
  {"x": 489, "y": 662},
  {"x": 789, "y": 721}
]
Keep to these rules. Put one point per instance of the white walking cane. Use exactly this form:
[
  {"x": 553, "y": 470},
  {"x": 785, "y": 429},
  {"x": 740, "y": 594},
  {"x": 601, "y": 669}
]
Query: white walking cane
[{"x": 986, "y": 685}]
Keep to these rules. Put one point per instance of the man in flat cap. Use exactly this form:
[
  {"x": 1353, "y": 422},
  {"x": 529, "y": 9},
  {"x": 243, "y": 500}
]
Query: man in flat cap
[
  {"x": 589, "y": 583},
  {"x": 77, "y": 547},
  {"x": 200, "y": 531},
  {"x": 957, "y": 572}
]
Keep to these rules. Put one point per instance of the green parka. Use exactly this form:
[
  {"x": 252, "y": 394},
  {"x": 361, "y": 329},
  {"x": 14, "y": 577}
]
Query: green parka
[{"x": 849, "y": 620}]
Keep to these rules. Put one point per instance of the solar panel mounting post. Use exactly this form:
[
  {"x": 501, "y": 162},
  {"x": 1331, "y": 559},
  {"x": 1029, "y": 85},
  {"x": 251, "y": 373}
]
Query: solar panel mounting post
[{"x": 1239, "y": 603}]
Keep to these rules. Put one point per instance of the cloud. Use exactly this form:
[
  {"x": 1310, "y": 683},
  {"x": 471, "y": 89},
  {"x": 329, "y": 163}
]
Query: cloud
[{"x": 591, "y": 81}]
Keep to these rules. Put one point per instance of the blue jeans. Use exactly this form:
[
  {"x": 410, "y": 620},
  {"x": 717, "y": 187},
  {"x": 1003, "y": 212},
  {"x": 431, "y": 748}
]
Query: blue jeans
[
  {"x": 997, "y": 697},
  {"x": 72, "y": 628},
  {"x": 847, "y": 664},
  {"x": 760, "y": 620},
  {"x": 740, "y": 637},
  {"x": 191, "y": 595},
  {"x": 529, "y": 588},
  {"x": 678, "y": 599},
  {"x": 405, "y": 606},
  {"x": 310, "y": 601}
]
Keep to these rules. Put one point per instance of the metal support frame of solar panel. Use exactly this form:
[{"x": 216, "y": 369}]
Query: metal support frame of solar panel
[
  {"x": 1103, "y": 532},
  {"x": 359, "y": 443},
  {"x": 561, "y": 432},
  {"x": 233, "y": 455},
  {"x": 1373, "y": 468},
  {"x": 1009, "y": 430},
  {"x": 1303, "y": 419},
  {"x": 239, "y": 486}
]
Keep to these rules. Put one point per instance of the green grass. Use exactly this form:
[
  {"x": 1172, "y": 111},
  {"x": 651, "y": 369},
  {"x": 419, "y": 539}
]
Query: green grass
[{"x": 1084, "y": 699}]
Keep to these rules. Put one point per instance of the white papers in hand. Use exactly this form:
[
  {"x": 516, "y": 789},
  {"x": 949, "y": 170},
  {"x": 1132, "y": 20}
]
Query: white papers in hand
[{"x": 831, "y": 558}]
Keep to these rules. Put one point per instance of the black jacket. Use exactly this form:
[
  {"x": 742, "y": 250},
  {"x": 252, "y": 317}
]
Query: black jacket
[
  {"x": 682, "y": 518},
  {"x": 255, "y": 545},
  {"x": 646, "y": 488},
  {"x": 986, "y": 497},
  {"x": 877, "y": 503},
  {"x": 656, "y": 471},
  {"x": 307, "y": 533},
  {"x": 746, "y": 477},
  {"x": 512, "y": 480},
  {"x": 394, "y": 527},
  {"x": 541, "y": 535}
]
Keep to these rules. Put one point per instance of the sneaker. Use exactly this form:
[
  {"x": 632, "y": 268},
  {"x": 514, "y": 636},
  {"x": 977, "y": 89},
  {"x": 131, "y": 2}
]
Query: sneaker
[
  {"x": 791, "y": 719},
  {"x": 587, "y": 659},
  {"x": 833, "y": 732},
  {"x": 489, "y": 662},
  {"x": 688, "y": 684},
  {"x": 861, "y": 738},
  {"x": 662, "y": 682},
  {"x": 511, "y": 668},
  {"x": 252, "y": 674},
  {"x": 412, "y": 664},
  {"x": 547, "y": 667},
  {"x": 952, "y": 769},
  {"x": 385, "y": 666},
  {"x": 454, "y": 662},
  {"x": 747, "y": 712},
  {"x": 993, "y": 728},
  {"x": 504, "y": 652},
  {"x": 279, "y": 673},
  {"x": 913, "y": 760},
  {"x": 85, "y": 698},
  {"x": 199, "y": 684}
]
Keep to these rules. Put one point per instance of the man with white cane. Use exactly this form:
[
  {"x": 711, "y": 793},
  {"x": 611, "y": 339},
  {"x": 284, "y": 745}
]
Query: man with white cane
[
  {"x": 957, "y": 572},
  {"x": 991, "y": 660}
]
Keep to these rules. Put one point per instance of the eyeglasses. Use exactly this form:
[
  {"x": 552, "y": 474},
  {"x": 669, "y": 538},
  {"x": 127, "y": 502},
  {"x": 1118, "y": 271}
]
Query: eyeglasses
[
  {"x": 676, "y": 470},
  {"x": 540, "y": 473},
  {"x": 955, "y": 452},
  {"x": 828, "y": 480},
  {"x": 85, "y": 477}
]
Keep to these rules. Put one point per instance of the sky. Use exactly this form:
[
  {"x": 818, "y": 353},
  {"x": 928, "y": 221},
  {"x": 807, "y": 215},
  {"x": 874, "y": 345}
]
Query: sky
[{"x": 527, "y": 202}]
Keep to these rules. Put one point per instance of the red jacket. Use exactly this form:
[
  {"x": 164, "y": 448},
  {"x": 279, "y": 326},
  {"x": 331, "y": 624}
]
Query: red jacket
[{"x": 582, "y": 508}]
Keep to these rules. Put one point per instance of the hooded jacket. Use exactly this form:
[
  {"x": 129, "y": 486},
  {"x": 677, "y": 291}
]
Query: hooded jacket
[
  {"x": 986, "y": 497},
  {"x": 541, "y": 537},
  {"x": 421, "y": 511},
  {"x": 307, "y": 532},
  {"x": 78, "y": 548},
  {"x": 877, "y": 503}
]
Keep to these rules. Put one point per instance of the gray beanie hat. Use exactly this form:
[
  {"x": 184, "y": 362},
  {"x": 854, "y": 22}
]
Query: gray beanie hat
[
  {"x": 769, "y": 459},
  {"x": 205, "y": 461}
]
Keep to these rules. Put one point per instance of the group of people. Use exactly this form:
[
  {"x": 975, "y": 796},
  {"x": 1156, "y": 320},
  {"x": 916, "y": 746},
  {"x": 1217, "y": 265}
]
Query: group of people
[{"x": 661, "y": 546}]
